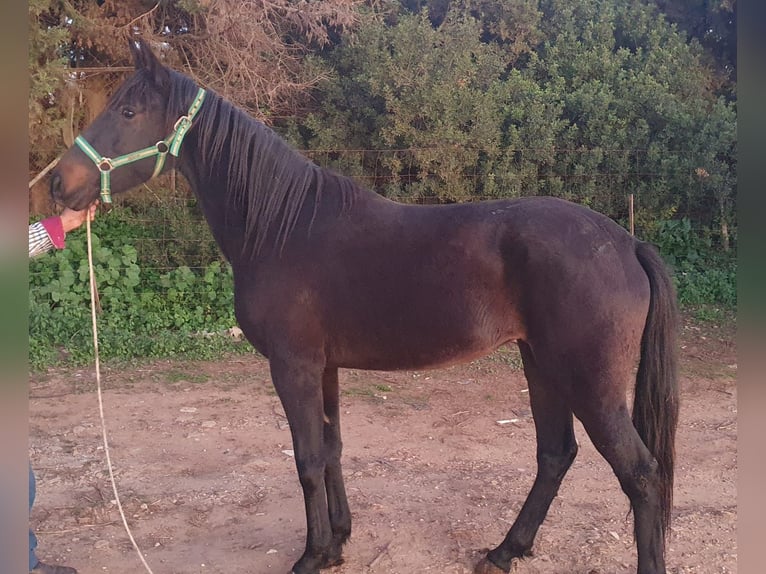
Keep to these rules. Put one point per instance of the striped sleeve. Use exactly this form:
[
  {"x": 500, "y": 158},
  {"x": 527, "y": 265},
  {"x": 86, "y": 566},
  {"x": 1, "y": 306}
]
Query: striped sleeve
[{"x": 45, "y": 235}]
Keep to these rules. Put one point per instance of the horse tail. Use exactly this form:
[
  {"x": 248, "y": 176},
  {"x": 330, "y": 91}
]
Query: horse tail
[{"x": 655, "y": 403}]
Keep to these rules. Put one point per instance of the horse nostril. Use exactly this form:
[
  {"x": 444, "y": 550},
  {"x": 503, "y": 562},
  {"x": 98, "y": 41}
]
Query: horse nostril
[{"x": 55, "y": 186}]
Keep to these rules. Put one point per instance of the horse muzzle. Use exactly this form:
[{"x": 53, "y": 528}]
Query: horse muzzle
[{"x": 70, "y": 186}]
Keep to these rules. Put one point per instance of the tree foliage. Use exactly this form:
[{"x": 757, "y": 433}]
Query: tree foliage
[
  {"x": 461, "y": 99},
  {"x": 596, "y": 101},
  {"x": 46, "y": 77},
  {"x": 251, "y": 51},
  {"x": 712, "y": 23}
]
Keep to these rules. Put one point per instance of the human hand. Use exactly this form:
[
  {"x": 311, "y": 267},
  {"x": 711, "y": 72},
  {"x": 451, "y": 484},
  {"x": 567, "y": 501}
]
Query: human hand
[{"x": 71, "y": 219}]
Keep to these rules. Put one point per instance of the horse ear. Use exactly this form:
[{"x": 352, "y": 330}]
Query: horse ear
[{"x": 144, "y": 59}]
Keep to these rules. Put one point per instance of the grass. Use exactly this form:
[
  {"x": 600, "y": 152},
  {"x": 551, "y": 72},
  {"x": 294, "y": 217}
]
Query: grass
[
  {"x": 175, "y": 376},
  {"x": 711, "y": 314},
  {"x": 357, "y": 392}
]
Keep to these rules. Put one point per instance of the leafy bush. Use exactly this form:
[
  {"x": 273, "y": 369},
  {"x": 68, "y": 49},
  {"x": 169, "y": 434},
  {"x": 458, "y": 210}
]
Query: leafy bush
[
  {"x": 145, "y": 312},
  {"x": 703, "y": 276}
]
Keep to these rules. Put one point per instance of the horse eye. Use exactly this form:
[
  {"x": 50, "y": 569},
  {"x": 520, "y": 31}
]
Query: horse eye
[{"x": 127, "y": 113}]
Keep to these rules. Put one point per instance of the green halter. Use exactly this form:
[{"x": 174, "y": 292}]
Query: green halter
[{"x": 171, "y": 144}]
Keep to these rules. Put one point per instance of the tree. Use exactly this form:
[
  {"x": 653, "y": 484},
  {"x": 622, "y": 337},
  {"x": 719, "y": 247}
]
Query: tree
[
  {"x": 46, "y": 75},
  {"x": 251, "y": 52},
  {"x": 713, "y": 23},
  {"x": 604, "y": 99},
  {"x": 432, "y": 92}
]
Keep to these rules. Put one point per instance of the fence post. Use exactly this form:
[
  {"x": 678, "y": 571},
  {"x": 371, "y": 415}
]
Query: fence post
[{"x": 630, "y": 211}]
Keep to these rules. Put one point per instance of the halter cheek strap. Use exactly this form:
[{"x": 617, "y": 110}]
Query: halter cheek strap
[{"x": 171, "y": 144}]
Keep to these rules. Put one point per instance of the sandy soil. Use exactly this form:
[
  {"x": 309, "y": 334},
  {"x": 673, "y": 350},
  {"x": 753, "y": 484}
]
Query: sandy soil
[{"x": 205, "y": 474}]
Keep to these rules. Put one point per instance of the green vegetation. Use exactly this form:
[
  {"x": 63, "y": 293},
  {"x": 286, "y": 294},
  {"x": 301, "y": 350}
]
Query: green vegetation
[
  {"x": 592, "y": 102},
  {"x": 703, "y": 275},
  {"x": 148, "y": 309}
]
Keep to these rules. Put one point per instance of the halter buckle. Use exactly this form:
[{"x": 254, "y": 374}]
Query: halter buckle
[{"x": 184, "y": 121}]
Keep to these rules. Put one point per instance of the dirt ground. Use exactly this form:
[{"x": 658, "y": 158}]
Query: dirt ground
[{"x": 205, "y": 473}]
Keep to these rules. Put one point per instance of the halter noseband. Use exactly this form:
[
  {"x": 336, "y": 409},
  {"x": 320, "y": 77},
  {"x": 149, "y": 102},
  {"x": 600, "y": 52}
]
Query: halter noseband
[{"x": 171, "y": 144}]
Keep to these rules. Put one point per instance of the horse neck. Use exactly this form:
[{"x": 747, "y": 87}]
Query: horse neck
[
  {"x": 225, "y": 211},
  {"x": 210, "y": 186}
]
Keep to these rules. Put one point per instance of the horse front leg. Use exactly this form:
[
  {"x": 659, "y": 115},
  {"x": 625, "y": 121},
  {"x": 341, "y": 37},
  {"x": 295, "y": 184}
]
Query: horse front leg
[
  {"x": 340, "y": 514},
  {"x": 299, "y": 386}
]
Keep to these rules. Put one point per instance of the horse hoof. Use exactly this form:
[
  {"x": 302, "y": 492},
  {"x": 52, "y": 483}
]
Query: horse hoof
[{"x": 486, "y": 567}]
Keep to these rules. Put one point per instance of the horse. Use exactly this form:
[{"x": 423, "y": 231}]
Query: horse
[{"x": 330, "y": 275}]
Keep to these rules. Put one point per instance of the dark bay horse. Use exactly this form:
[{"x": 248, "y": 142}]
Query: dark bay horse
[{"x": 329, "y": 275}]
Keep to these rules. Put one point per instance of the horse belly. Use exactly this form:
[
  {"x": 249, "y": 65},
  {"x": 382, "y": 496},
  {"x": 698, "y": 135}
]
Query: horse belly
[
  {"x": 394, "y": 358},
  {"x": 423, "y": 337}
]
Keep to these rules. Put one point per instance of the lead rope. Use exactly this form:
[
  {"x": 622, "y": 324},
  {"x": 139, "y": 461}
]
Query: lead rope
[{"x": 100, "y": 401}]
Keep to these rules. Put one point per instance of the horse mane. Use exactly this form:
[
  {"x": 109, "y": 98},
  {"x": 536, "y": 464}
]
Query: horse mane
[{"x": 266, "y": 177}]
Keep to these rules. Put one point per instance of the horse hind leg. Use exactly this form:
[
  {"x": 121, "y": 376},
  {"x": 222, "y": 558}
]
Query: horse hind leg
[
  {"x": 337, "y": 502},
  {"x": 556, "y": 450},
  {"x": 612, "y": 432}
]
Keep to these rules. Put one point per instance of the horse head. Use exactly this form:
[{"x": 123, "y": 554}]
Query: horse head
[{"x": 126, "y": 144}]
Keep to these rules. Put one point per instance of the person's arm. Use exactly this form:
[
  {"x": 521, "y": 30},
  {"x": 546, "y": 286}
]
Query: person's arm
[{"x": 51, "y": 232}]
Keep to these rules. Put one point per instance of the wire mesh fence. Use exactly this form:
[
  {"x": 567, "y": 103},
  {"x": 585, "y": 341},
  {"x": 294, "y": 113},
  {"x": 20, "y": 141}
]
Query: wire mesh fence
[{"x": 162, "y": 220}]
